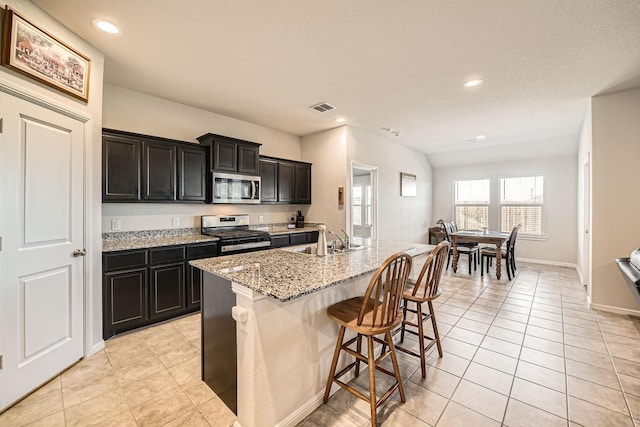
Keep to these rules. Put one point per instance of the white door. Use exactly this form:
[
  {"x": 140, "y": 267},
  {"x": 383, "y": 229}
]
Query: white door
[{"x": 41, "y": 225}]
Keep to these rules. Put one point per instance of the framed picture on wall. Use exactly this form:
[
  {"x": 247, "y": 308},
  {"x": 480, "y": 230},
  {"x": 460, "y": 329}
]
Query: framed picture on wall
[
  {"x": 37, "y": 54},
  {"x": 408, "y": 186}
]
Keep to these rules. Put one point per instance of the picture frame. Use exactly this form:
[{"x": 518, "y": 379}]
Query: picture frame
[
  {"x": 37, "y": 54},
  {"x": 408, "y": 185}
]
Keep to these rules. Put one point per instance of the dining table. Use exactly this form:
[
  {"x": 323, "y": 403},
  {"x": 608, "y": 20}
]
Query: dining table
[{"x": 496, "y": 238}]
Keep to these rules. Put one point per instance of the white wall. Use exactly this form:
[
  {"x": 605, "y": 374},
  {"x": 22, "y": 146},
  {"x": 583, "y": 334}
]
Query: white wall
[
  {"x": 332, "y": 151},
  {"x": 328, "y": 153},
  {"x": 560, "y": 202},
  {"x": 399, "y": 218},
  {"x": 93, "y": 108},
  {"x": 132, "y": 111},
  {"x": 615, "y": 202}
]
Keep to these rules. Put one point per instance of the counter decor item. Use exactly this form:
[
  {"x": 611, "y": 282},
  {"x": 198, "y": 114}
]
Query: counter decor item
[
  {"x": 321, "y": 249},
  {"x": 37, "y": 54},
  {"x": 299, "y": 220}
]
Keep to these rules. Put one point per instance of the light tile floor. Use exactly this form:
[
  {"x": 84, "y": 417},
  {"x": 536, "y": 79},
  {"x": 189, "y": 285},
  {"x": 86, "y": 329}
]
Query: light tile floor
[{"x": 523, "y": 353}]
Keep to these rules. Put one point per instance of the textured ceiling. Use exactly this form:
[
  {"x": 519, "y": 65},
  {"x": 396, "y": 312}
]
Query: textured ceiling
[{"x": 390, "y": 64}]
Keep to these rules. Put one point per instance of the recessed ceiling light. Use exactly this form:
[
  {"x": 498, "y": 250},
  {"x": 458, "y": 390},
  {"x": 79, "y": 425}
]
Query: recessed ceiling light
[
  {"x": 341, "y": 120},
  {"x": 106, "y": 26},
  {"x": 473, "y": 83},
  {"x": 477, "y": 138}
]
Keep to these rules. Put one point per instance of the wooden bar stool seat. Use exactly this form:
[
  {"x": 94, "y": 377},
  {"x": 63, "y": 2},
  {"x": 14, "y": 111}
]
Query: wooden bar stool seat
[
  {"x": 425, "y": 290},
  {"x": 376, "y": 313}
]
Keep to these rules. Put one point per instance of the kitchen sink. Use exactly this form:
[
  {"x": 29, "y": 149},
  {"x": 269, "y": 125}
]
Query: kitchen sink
[{"x": 312, "y": 249}]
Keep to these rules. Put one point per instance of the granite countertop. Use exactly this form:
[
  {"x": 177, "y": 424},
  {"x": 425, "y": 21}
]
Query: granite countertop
[
  {"x": 153, "y": 242},
  {"x": 285, "y": 275},
  {"x": 121, "y": 241}
]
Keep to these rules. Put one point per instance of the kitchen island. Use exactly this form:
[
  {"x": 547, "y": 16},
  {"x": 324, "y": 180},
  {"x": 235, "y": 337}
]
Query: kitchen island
[{"x": 283, "y": 338}]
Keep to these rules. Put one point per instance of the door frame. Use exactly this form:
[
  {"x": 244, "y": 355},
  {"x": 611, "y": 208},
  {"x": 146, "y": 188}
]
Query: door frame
[
  {"x": 374, "y": 196},
  {"x": 92, "y": 261},
  {"x": 586, "y": 223}
]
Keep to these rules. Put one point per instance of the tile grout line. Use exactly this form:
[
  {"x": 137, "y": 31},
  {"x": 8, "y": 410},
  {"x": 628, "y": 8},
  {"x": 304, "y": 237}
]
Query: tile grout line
[{"x": 615, "y": 370}]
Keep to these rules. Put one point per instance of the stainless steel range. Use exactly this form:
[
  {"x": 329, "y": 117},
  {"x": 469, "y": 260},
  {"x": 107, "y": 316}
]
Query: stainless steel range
[{"x": 234, "y": 234}]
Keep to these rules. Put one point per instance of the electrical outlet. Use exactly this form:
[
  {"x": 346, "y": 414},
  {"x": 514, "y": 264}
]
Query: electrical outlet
[
  {"x": 116, "y": 224},
  {"x": 261, "y": 219},
  {"x": 176, "y": 221}
]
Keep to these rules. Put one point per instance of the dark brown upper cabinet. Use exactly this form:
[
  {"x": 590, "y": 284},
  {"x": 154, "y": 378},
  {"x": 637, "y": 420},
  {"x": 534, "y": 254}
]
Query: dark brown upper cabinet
[
  {"x": 268, "y": 180},
  {"x": 192, "y": 168},
  {"x": 142, "y": 168},
  {"x": 158, "y": 171},
  {"x": 285, "y": 181},
  {"x": 231, "y": 154},
  {"x": 120, "y": 168},
  {"x": 303, "y": 183}
]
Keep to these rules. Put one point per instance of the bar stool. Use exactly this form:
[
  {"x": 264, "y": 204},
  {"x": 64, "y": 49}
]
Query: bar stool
[
  {"x": 426, "y": 289},
  {"x": 375, "y": 313}
]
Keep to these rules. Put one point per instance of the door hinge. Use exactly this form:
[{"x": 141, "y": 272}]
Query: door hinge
[
  {"x": 1, "y": 124},
  {"x": 0, "y": 361},
  {"x": 0, "y": 243}
]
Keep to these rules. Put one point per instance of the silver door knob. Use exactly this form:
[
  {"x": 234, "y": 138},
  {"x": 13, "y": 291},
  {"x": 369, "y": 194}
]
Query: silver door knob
[{"x": 79, "y": 252}]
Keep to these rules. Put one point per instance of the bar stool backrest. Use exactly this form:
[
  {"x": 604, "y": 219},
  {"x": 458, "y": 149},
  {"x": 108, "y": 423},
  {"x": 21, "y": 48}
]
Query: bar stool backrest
[
  {"x": 429, "y": 279},
  {"x": 385, "y": 291}
]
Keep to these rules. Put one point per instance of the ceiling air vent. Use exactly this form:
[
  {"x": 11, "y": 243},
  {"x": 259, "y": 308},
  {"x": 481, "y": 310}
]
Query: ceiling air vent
[{"x": 323, "y": 107}]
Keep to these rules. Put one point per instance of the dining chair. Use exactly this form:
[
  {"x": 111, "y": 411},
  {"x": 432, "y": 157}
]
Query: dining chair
[
  {"x": 507, "y": 253},
  {"x": 470, "y": 251},
  {"x": 376, "y": 313},
  {"x": 425, "y": 290}
]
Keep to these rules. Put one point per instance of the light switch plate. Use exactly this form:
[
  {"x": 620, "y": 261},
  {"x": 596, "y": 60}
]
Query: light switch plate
[
  {"x": 176, "y": 221},
  {"x": 116, "y": 224}
]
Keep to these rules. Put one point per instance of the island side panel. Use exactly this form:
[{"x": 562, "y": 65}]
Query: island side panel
[
  {"x": 285, "y": 351},
  {"x": 219, "y": 338}
]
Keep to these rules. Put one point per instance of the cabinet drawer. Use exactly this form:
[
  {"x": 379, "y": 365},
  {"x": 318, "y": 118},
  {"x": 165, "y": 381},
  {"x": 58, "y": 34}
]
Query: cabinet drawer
[
  {"x": 280, "y": 241},
  {"x": 202, "y": 251},
  {"x": 125, "y": 260},
  {"x": 298, "y": 239},
  {"x": 165, "y": 255}
]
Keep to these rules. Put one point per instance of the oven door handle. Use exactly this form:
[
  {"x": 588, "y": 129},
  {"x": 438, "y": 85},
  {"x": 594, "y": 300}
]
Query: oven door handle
[{"x": 254, "y": 196}]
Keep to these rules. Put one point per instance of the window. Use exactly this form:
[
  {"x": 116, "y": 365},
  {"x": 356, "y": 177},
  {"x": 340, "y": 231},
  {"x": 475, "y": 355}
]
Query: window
[
  {"x": 521, "y": 202},
  {"x": 471, "y": 203}
]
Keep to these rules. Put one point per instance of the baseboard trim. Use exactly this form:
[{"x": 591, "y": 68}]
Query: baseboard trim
[
  {"x": 612, "y": 309},
  {"x": 546, "y": 262},
  {"x": 305, "y": 410},
  {"x": 96, "y": 347}
]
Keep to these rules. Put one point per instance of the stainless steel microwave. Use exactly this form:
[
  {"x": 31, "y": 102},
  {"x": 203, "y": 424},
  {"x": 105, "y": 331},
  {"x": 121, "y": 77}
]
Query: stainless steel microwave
[{"x": 233, "y": 188}]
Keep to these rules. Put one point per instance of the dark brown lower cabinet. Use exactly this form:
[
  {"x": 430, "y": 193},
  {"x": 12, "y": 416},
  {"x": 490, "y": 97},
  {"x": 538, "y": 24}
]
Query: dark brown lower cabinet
[
  {"x": 144, "y": 286},
  {"x": 167, "y": 290},
  {"x": 124, "y": 300}
]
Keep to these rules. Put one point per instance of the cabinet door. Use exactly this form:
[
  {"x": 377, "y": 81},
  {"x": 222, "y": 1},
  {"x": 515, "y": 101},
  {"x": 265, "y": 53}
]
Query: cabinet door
[
  {"x": 194, "y": 280},
  {"x": 286, "y": 180},
  {"x": 303, "y": 183},
  {"x": 125, "y": 300},
  {"x": 225, "y": 156},
  {"x": 269, "y": 181},
  {"x": 120, "y": 169},
  {"x": 191, "y": 174},
  {"x": 166, "y": 290},
  {"x": 298, "y": 238},
  {"x": 194, "y": 275},
  {"x": 158, "y": 171},
  {"x": 312, "y": 237},
  {"x": 248, "y": 159},
  {"x": 280, "y": 241}
]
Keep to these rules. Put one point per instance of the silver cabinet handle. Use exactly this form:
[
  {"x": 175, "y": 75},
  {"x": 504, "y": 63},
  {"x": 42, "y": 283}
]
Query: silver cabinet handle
[{"x": 79, "y": 252}]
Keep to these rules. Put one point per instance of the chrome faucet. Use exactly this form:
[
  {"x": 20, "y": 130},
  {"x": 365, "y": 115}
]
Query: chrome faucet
[
  {"x": 344, "y": 244},
  {"x": 347, "y": 240}
]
